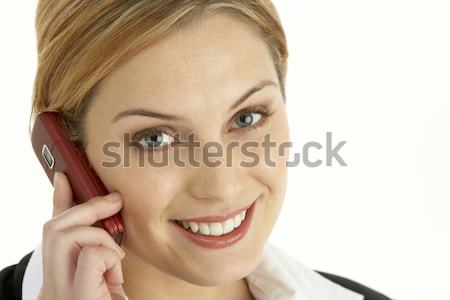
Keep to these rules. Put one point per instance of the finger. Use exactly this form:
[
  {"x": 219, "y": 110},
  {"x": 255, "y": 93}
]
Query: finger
[
  {"x": 86, "y": 213},
  {"x": 121, "y": 296},
  {"x": 114, "y": 279},
  {"x": 62, "y": 194},
  {"x": 92, "y": 263},
  {"x": 114, "y": 276},
  {"x": 117, "y": 292},
  {"x": 75, "y": 238},
  {"x": 61, "y": 250}
]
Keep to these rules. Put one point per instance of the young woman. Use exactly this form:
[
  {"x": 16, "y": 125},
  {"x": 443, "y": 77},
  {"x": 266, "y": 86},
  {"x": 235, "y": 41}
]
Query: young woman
[{"x": 160, "y": 71}]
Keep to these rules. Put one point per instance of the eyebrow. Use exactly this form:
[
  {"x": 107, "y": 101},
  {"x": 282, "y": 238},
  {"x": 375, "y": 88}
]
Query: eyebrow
[{"x": 170, "y": 117}]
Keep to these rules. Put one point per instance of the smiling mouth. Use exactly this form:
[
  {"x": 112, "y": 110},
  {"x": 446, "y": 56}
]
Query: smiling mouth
[
  {"x": 215, "y": 225},
  {"x": 214, "y": 228}
]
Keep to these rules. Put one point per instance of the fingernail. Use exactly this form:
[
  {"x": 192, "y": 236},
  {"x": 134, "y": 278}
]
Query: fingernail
[
  {"x": 113, "y": 197},
  {"x": 56, "y": 179}
]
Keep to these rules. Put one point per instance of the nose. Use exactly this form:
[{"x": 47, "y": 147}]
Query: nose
[{"x": 217, "y": 183}]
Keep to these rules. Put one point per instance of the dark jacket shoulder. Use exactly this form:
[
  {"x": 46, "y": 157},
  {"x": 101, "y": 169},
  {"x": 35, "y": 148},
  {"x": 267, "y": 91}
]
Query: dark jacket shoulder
[
  {"x": 11, "y": 279},
  {"x": 369, "y": 294}
]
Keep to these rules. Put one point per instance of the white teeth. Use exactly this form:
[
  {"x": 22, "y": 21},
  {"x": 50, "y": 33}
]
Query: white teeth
[
  {"x": 215, "y": 228},
  {"x": 194, "y": 226},
  {"x": 228, "y": 226},
  {"x": 242, "y": 214},
  {"x": 237, "y": 221},
  {"x": 185, "y": 225},
  {"x": 204, "y": 229}
]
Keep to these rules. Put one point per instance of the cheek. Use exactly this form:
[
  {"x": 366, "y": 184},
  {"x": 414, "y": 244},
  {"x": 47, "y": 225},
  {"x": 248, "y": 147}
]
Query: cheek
[
  {"x": 272, "y": 159},
  {"x": 147, "y": 191},
  {"x": 271, "y": 170}
]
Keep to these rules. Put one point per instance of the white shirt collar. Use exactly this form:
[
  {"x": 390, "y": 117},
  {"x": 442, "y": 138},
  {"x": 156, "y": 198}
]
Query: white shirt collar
[
  {"x": 277, "y": 276},
  {"x": 280, "y": 276}
]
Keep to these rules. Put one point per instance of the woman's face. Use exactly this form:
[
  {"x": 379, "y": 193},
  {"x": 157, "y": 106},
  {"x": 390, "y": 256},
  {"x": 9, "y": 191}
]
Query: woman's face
[{"x": 196, "y": 74}]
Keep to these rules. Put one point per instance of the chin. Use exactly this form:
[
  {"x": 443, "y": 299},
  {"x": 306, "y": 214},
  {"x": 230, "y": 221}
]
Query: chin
[
  {"x": 213, "y": 273},
  {"x": 219, "y": 276}
]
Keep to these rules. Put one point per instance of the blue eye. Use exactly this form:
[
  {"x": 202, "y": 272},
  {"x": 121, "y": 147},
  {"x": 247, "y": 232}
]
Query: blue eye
[
  {"x": 248, "y": 119},
  {"x": 155, "y": 138},
  {"x": 252, "y": 116},
  {"x": 158, "y": 138}
]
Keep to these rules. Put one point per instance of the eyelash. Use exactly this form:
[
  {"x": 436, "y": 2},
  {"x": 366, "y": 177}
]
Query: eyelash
[{"x": 259, "y": 109}]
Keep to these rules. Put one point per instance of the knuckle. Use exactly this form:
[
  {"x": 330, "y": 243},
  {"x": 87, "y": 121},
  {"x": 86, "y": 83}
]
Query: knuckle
[
  {"x": 95, "y": 207},
  {"x": 96, "y": 200},
  {"x": 102, "y": 234},
  {"x": 57, "y": 238},
  {"x": 90, "y": 254},
  {"x": 93, "y": 203},
  {"x": 106, "y": 239},
  {"x": 48, "y": 229}
]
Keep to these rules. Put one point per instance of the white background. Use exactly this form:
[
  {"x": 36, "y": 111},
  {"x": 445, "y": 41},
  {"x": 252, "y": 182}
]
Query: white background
[{"x": 377, "y": 75}]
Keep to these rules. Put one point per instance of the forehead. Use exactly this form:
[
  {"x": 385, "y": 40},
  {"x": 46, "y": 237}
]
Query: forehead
[{"x": 201, "y": 66}]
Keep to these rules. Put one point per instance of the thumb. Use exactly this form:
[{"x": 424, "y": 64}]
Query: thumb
[{"x": 62, "y": 194}]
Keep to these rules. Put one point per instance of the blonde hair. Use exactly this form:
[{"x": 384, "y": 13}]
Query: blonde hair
[{"x": 79, "y": 42}]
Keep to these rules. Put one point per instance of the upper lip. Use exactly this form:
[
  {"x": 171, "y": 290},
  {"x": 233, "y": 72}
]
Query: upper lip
[{"x": 218, "y": 219}]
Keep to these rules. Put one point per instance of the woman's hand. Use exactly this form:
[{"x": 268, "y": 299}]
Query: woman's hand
[{"x": 80, "y": 262}]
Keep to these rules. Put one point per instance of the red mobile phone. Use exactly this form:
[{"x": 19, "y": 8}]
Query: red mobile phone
[{"x": 58, "y": 154}]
